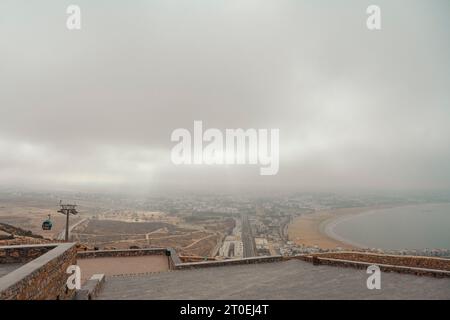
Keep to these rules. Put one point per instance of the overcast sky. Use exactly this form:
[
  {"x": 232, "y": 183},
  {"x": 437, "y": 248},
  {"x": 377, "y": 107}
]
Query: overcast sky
[{"x": 94, "y": 109}]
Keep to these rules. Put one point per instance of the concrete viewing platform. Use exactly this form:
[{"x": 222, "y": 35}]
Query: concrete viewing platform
[
  {"x": 292, "y": 279},
  {"x": 39, "y": 272}
]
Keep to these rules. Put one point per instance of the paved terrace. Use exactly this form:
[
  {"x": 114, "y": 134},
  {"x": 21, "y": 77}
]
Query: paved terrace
[
  {"x": 292, "y": 279},
  {"x": 111, "y": 266}
]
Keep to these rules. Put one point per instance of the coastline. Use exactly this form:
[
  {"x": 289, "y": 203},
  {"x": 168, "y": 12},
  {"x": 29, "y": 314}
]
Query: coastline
[
  {"x": 316, "y": 229},
  {"x": 328, "y": 227}
]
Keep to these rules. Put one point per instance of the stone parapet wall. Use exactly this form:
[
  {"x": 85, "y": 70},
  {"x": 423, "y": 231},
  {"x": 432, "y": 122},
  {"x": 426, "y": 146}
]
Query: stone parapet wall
[
  {"x": 398, "y": 260},
  {"x": 44, "y": 278},
  {"x": 196, "y": 259},
  {"x": 174, "y": 259},
  {"x": 19, "y": 240},
  {"x": 91, "y": 288},
  {"x": 207, "y": 264},
  {"x": 22, "y": 253},
  {"x": 319, "y": 259},
  {"x": 121, "y": 253}
]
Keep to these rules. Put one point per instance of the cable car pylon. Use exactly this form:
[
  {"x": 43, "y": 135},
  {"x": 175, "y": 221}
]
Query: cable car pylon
[{"x": 67, "y": 209}]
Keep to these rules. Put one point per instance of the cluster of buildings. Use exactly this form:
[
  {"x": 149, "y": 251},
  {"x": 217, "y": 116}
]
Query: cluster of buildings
[{"x": 232, "y": 245}]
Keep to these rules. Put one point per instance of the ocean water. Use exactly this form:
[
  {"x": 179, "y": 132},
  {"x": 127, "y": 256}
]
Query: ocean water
[{"x": 406, "y": 227}]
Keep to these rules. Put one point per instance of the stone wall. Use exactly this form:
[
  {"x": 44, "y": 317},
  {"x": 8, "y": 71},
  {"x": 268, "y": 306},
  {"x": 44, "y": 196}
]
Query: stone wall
[
  {"x": 196, "y": 259},
  {"x": 221, "y": 263},
  {"x": 44, "y": 278},
  {"x": 386, "y": 263},
  {"x": 91, "y": 288},
  {"x": 174, "y": 259},
  {"x": 22, "y": 253},
  {"x": 19, "y": 240},
  {"x": 121, "y": 253},
  {"x": 399, "y": 260}
]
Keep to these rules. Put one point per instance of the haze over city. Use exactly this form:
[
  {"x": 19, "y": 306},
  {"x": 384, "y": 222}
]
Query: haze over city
[
  {"x": 94, "y": 110},
  {"x": 200, "y": 151}
]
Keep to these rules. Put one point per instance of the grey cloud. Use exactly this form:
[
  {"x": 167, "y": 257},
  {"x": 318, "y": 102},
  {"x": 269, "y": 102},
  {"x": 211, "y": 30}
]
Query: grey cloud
[{"x": 96, "y": 107}]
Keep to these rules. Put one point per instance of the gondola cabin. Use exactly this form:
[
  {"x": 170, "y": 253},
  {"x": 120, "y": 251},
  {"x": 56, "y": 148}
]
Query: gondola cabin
[{"x": 47, "y": 225}]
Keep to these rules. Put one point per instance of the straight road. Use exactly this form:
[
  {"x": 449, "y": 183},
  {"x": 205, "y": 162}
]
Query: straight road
[
  {"x": 247, "y": 238},
  {"x": 62, "y": 234}
]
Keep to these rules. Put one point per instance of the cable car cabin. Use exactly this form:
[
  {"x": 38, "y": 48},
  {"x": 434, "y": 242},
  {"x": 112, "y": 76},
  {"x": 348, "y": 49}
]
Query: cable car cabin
[{"x": 47, "y": 225}]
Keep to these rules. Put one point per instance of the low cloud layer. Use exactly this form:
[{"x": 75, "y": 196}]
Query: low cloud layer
[{"x": 95, "y": 108}]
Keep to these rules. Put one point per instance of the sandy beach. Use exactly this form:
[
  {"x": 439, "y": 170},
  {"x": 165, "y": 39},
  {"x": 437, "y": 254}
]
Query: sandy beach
[{"x": 311, "y": 229}]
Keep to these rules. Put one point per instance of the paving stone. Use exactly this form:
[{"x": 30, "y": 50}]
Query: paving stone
[{"x": 293, "y": 279}]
